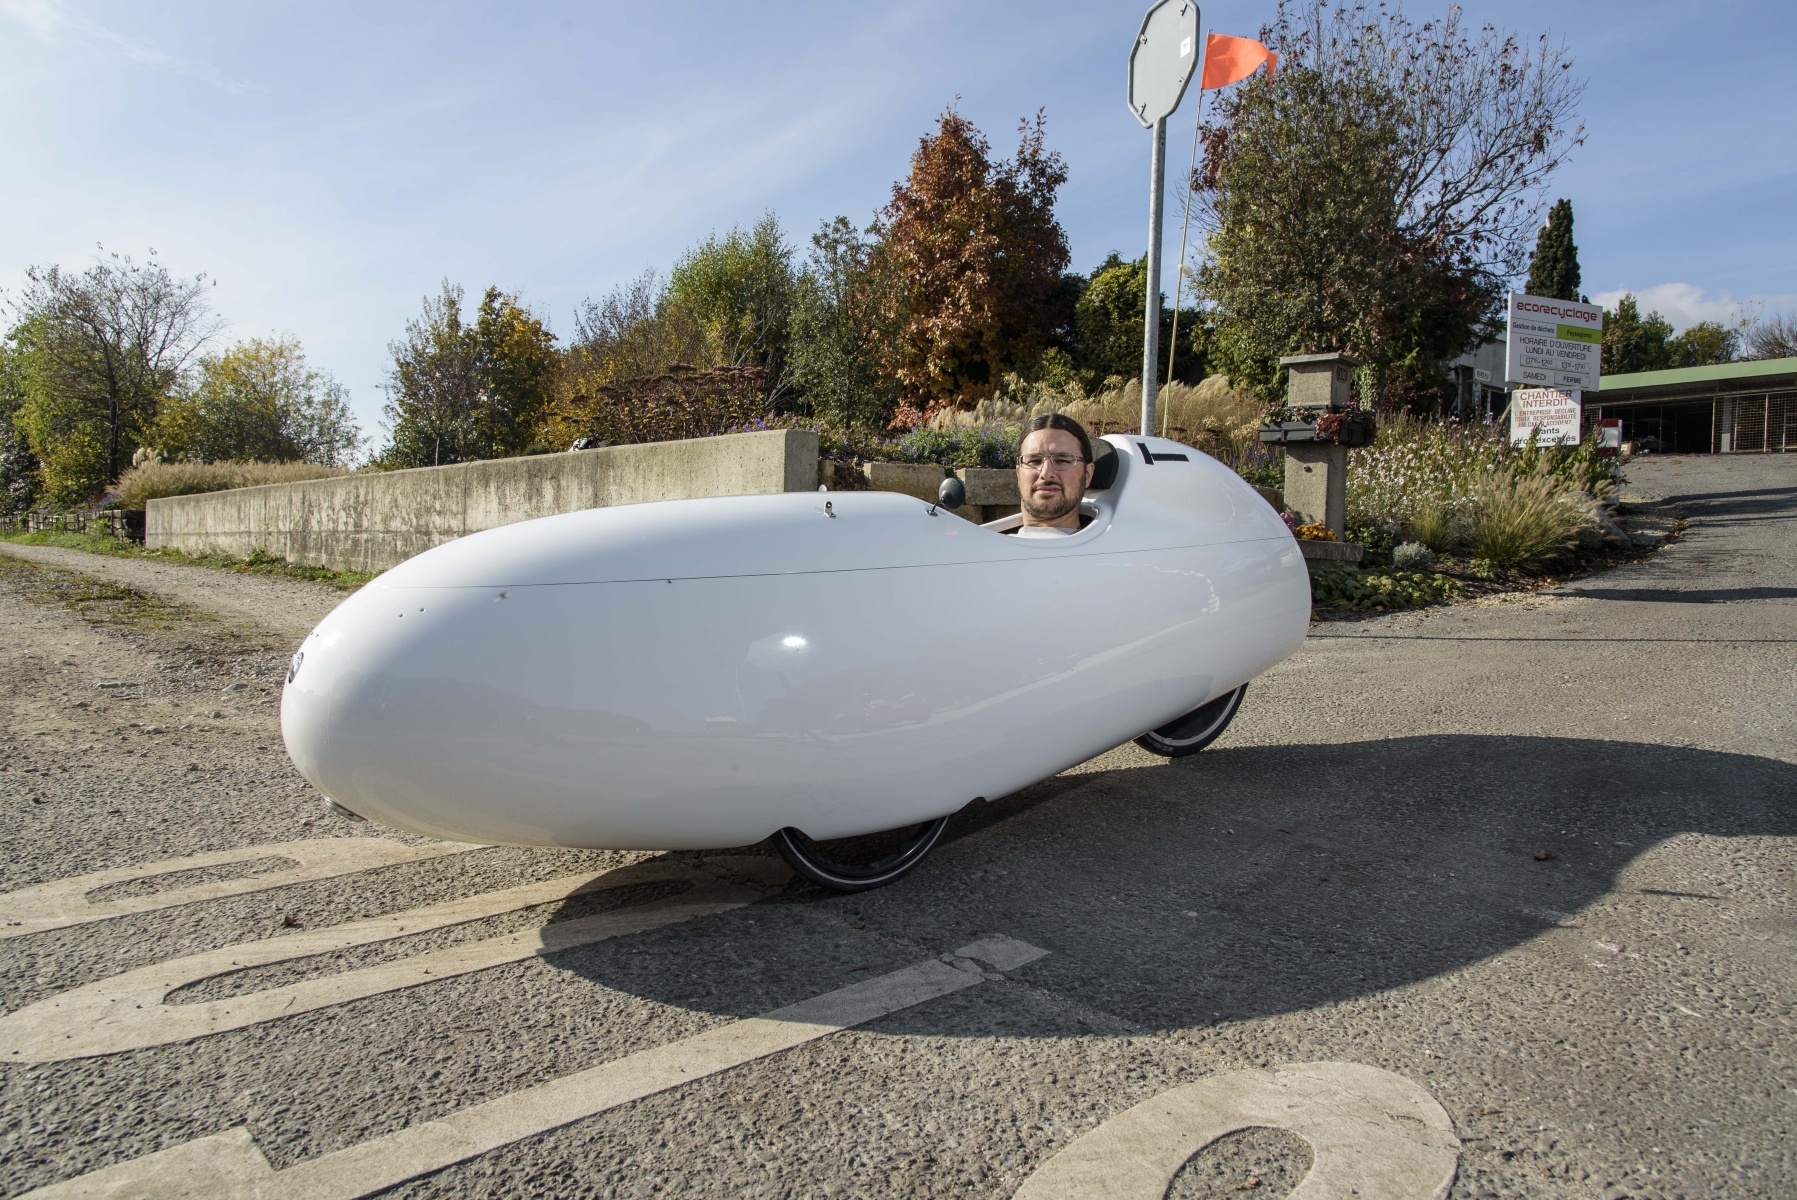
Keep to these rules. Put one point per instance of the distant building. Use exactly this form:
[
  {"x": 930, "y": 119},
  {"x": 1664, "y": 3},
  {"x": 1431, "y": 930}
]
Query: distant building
[
  {"x": 1478, "y": 375},
  {"x": 1730, "y": 408}
]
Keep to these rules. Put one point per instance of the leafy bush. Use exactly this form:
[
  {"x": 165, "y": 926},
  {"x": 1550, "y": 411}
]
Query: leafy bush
[
  {"x": 154, "y": 480},
  {"x": 680, "y": 402},
  {"x": 1258, "y": 463},
  {"x": 1350, "y": 587},
  {"x": 1521, "y": 520},
  {"x": 1377, "y": 542},
  {"x": 1412, "y": 556},
  {"x": 994, "y": 446}
]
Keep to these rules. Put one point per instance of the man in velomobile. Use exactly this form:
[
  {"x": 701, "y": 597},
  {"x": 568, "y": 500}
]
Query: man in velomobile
[{"x": 1054, "y": 468}]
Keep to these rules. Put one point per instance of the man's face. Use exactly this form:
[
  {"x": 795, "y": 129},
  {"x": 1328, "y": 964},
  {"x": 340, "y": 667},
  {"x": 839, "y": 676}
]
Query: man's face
[{"x": 1051, "y": 495}]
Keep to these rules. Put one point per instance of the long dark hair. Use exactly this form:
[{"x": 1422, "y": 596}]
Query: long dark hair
[{"x": 1065, "y": 424}]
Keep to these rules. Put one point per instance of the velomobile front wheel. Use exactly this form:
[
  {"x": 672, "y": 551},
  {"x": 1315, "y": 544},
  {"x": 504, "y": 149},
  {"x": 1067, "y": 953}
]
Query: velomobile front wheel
[
  {"x": 1196, "y": 730},
  {"x": 855, "y": 864}
]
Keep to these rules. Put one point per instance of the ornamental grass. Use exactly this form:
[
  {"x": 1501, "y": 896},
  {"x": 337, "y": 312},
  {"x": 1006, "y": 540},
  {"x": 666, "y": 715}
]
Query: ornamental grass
[
  {"x": 1522, "y": 520},
  {"x": 1212, "y": 415},
  {"x": 154, "y": 480},
  {"x": 1463, "y": 488}
]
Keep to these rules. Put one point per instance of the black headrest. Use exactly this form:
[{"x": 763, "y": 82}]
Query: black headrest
[{"x": 1104, "y": 466}]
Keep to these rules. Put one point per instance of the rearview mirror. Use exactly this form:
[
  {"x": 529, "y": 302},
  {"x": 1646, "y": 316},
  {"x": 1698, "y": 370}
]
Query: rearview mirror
[{"x": 952, "y": 494}]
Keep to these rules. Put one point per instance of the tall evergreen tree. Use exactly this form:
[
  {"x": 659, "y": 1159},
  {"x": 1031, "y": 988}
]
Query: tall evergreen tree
[{"x": 1554, "y": 267}]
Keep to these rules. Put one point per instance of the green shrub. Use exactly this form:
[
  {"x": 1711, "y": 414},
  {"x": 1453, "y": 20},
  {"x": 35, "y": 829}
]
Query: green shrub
[
  {"x": 994, "y": 446},
  {"x": 1377, "y": 541},
  {"x": 1351, "y": 587},
  {"x": 154, "y": 480},
  {"x": 1412, "y": 557}
]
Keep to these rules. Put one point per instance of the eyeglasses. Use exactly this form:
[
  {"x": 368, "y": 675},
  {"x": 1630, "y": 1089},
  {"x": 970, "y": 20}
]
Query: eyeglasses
[{"x": 1060, "y": 462}]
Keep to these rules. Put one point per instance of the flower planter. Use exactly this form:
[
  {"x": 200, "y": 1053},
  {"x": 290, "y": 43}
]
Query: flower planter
[{"x": 1354, "y": 434}]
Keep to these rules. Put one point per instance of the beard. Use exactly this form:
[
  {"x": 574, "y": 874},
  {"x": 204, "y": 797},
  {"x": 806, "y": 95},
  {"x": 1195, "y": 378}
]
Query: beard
[{"x": 1050, "y": 509}]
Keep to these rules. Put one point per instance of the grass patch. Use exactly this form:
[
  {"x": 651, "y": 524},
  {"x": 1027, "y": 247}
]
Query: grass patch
[
  {"x": 258, "y": 563},
  {"x": 97, "y": 601}
]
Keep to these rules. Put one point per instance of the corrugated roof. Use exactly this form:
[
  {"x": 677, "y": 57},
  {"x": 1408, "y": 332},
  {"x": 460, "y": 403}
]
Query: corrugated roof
[{"x": 1734, "y": 372}]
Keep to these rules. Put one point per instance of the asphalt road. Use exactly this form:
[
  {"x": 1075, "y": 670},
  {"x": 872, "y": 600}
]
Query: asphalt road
[{"x": 1513, "y": 878}]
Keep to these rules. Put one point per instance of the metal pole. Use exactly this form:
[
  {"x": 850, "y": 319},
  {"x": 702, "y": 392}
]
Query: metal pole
[
  {"x": 1179, "y": 268},
  {"x": 1151, "y": 331}
]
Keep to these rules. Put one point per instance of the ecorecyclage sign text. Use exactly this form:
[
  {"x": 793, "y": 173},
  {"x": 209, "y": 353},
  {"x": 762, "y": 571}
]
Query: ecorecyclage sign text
[{"x": 1570, "y": 312}]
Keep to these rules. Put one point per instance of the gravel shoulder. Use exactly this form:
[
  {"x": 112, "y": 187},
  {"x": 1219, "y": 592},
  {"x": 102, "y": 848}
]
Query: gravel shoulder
[{"x": 286, "y": 608}]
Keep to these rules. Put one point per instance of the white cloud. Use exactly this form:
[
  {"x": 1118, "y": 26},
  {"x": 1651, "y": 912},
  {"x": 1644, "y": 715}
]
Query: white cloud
[
  {"x": 1685, "y": 304},
  {"x": 52, "y": 24}
]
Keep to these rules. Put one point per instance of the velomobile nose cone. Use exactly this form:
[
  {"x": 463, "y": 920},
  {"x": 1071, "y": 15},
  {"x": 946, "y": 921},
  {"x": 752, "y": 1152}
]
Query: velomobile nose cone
[{"x": 702, "y": 673}]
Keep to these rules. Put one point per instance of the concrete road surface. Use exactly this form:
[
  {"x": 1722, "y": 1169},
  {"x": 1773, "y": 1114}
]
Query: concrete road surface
[{"x": 1489, "y": 900}]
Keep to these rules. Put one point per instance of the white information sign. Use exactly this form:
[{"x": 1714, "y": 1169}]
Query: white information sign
[
  {"x": 1554, "y": 343},
  {"x": 1549, "y": 413}
]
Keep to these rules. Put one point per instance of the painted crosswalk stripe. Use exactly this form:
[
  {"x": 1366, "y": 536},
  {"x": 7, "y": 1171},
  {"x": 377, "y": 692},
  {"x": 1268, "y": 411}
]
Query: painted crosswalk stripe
[
  {"x": 64, "y": 902},
  {"x": 129, "y": 1011},
  {"x": 230, "y": 1164}
]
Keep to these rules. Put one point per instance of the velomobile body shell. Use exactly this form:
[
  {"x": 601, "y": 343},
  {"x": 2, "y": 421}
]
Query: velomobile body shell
[{"x": 701, "y": 673}]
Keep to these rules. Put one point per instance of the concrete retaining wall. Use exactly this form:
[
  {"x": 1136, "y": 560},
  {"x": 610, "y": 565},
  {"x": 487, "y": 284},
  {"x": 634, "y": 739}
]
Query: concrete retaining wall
[{"x": 374, "y": 520}]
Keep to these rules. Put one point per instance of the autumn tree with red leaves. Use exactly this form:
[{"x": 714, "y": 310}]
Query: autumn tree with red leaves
[{"x": 971, "y": 259}]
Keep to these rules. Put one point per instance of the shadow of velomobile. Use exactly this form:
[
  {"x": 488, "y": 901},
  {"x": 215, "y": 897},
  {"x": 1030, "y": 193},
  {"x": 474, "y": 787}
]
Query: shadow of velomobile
[{"x": 1261, "y": 880}]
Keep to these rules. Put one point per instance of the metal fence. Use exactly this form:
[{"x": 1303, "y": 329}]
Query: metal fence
[
  {"x": 1745, "y": 423},
  {"x": 113, "y": 522},
  {"x": 1737, "y": 423}
]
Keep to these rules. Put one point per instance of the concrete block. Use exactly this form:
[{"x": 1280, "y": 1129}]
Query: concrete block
[
  {"x": 991, "y": 486},
  {"x": 913, "y": 479},
  {"x": 1319, "y": 380},
  {"x": 1319, "y": 554}
]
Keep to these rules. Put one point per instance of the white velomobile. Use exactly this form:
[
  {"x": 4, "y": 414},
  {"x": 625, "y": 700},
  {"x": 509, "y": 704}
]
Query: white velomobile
[{"x": 812, "y": 666}]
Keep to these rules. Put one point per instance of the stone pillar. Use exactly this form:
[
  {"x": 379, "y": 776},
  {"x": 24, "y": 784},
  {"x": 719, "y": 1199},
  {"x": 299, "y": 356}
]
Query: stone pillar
[
  {"x": 1316, "y": 473},
  {"x": 1316, "y": 484}
]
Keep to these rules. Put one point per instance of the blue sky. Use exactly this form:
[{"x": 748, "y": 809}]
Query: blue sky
[{"x": 328, "y": 164}]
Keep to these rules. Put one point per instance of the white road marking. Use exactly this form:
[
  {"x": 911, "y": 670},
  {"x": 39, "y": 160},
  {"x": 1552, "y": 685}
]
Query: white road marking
[
  {"x": 1375, "y": 1135},
  {"x": 229, "y": 1164},
  {"x": 1003, "y": 953},
  {"x": 129, "y": 1011},
  {"x": 64, "y": 902}
]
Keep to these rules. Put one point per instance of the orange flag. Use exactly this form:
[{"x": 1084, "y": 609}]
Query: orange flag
[{"x": 1230, "y": 60}]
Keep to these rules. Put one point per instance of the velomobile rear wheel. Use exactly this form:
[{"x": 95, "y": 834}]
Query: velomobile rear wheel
[
  {"x": 856, "y": 864},
  {"x": 1196, "y": 730}
]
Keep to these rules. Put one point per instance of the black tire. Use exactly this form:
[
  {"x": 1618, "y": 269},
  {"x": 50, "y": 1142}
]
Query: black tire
[
  {"x": 857, "y": 864},
  {"x": 1196, "y": 730}
]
